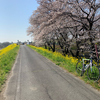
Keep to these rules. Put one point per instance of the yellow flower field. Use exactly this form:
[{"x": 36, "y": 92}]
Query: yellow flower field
[
  {"x": 7, "y": 49},
  {"x": 56, "y": 56},
  {"x": 68, "y": 63},
  {"x": 7, "y": 58}
]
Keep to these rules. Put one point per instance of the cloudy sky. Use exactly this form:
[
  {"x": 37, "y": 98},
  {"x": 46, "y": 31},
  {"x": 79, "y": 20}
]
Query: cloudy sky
[{"x": 14, "y": 19}]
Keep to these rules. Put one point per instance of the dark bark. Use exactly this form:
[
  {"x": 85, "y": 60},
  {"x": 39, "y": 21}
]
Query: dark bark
[
  {"x": 65, "y": 51},
  {"x": 72, "y": 53},
  {"x": 62, "y": 36},
  {"x": 53, "y": 49},
  {"x": 77, "y": 45},
  {"x": 50, "y": 46},
  {"x": 45, "y": 46}
]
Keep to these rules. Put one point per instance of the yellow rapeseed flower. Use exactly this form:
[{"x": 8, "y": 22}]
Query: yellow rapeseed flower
[
  {"x": 69, "y": 59},
  {"x": 8, "y": 48}
]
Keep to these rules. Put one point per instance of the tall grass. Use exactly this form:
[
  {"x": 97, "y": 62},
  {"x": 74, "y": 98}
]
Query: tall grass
[
  {"x": 68, "y": 63},
  {"x": 6, "y": 62}
]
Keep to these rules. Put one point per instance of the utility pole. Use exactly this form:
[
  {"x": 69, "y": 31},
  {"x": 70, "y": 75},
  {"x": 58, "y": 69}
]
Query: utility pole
[
  {"x": 27, "y": 41},
  {"x": 18, "y": 42}
]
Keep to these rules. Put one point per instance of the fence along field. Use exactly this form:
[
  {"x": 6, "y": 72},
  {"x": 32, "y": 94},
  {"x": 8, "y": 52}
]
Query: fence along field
[{"x": 7, "y": 58}]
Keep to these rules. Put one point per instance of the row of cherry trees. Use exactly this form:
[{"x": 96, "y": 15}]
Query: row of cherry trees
[{"x": 67, "y": 23}]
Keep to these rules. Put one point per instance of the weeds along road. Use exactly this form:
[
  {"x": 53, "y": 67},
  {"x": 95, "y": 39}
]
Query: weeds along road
[{"x": 36, "y": 78}]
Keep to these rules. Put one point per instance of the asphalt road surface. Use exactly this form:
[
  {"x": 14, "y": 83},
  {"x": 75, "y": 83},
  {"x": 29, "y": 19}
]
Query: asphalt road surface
[{"x": 36, "y": 78}]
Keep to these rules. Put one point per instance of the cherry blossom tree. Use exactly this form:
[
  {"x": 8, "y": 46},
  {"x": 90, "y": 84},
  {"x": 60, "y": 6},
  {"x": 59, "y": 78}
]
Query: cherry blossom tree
[{"x": 67, "y": 21}]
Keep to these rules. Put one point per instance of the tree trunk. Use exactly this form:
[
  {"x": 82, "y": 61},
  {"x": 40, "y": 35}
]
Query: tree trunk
[
  {"x": 77, "y": 45},
  {"x": 53, "y": 46},
  {"x": 45, "y": 46}
]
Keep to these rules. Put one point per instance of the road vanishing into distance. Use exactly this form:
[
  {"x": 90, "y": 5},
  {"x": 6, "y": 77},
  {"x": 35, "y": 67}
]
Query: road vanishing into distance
[{"x": 36, "y": 78}]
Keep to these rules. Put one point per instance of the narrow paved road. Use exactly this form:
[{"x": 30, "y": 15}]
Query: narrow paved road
[{"x": 36, "y": 78}]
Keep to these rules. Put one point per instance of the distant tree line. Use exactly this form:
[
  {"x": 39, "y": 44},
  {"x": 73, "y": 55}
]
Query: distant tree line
[
  {"x": 4, "y": 44},
  {"x": 66, "y": 22}
]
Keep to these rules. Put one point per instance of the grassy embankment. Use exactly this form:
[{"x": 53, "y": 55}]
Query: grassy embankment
[
  {"x": 7, "y": 58},
  {"x": 68, "y": 63}
]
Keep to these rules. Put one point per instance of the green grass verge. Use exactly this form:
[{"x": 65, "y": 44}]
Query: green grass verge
[
  {"x": 68, "y": 63},
  {"x": 6, "y": 63}
]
